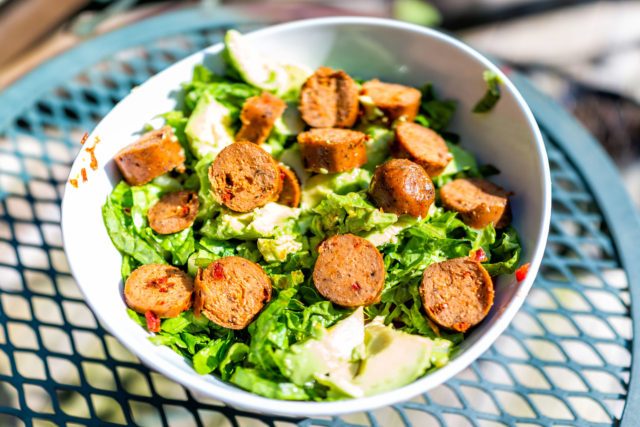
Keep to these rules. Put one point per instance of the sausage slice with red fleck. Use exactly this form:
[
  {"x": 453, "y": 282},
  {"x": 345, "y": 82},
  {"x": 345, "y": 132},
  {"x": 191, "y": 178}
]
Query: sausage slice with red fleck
[
  {"x": 457, "y": 294},
  {"x": 402, "y": 187},
  {"x": 329, "y": 98},
  {"x": 349, "y": 271},
  {"x": 244, "y": 177},
  {"x": 291, "y": 191},
  {"x": 332, "y": 150},
  {"x": 231, "y": 291},
  {"x": 155, "y": 153},
  {"x": 393, "y": 99},
  {"x": 159, "y": 288},
  {"x": 174, "y": 212},
  {"x": 423, "y": 146},
  {"x": 258, "y": 116},
  {"x": 478, "y": 201}
]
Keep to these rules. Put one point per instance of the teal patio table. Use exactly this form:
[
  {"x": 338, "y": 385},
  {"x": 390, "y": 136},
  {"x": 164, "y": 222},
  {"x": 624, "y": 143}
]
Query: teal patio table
[{"x": 569, "y": 358}]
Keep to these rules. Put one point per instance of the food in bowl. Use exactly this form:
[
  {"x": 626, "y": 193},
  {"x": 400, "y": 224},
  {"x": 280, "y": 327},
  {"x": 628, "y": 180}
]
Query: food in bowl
[{"x": 307, "y": 236}]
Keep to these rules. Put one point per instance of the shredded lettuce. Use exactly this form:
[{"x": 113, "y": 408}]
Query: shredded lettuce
[{"x": 491, "y": 96}]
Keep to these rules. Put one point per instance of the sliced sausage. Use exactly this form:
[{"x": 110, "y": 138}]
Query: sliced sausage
[
  {"x": 162, "y": 289},
  {"x": 244, "y": 177},
  {"x": 291, "y": 191},
  {"x": 329, "y": 98},
  {"x": 478, "y": 201},
  {"x": 332, "y": 150},
  {"x": 258, "y": 116},
  {"x": 231, "y": 291},
  {"x": 457, "y": 294},
  {"x": 174, "y": 212},
  {"x": 349, "y": 271},
  {"x": 155, "y": 153},
  {"x": 421, "y": 145},
  {"x": 402, "y": 187},
  {"x": 393, "y": 99}
]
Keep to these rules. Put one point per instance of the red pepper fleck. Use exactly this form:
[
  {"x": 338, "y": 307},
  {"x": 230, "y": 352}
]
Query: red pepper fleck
[
  {"x": 184, "y": 210},
  {"x": 479, "y": 255},
  {"x": 521, "y": 272},
  {"x": 126, "y": 210},
  {"x": 356, "y": 286},
  {"x": 218, "y": 271},
  {"x": 84, "y": 138},
  {"x": 226, "y": 196},
  {"x": 153, "y": 321},
  {"x": 83, "y": 172},
  {"x": 74, "y": 182},
  {"x": 282, "y": 175}
]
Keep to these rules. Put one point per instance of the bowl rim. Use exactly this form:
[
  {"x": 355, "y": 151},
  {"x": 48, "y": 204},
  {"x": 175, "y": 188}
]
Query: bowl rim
[{"x": 239, "y": 398}]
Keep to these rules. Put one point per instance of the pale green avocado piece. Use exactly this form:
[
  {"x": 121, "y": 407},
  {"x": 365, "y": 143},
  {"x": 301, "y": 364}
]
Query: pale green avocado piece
[
  {"x": 329, "y": 359},
  {"x": 283, "y": 80},
  {"x": 378, "y": 145},
  {"x": 393, "y": 359},
  {"x": 292, "y": 158},
  {"x": 266, "y": 221},
  {"x": 462, "y": 160},
  {"x": 319, "y": 186},
  {"x": 209, "y": 127}
]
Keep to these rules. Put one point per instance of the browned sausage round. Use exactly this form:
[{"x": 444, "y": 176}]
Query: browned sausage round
[
  {"x": 244, "y": 177},
  {"x": 155, "y": 153},
  {"x": 231, "y": 292},
  {"x": 402, "y": 187},
  {"x": 393, "y": 99},
  {"x": 456, "y": 294},
  {"x": 329, "y": 98},
  {"x": 423, "y": 146},
  {"x": 478, "y": 201},
  {"x": 174, "y": 212},
  {"x": 258, "y": 116},
  {"x": 291, "y": 191},
  {"x": 332, "y": 150},
  {"x": 349, "y": 271},
  {"x": 162, "y": 289}
]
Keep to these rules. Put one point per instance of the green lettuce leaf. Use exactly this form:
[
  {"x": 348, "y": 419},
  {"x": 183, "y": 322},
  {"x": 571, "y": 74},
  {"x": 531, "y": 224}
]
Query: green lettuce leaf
[
  {"x": 350, "y": 213},
  {"x": 492, "y": 95}
]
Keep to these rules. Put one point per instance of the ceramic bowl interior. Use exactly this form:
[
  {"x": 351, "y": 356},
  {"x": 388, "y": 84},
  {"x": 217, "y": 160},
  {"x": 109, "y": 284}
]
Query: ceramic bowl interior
[{"x": 507, "y": 137}]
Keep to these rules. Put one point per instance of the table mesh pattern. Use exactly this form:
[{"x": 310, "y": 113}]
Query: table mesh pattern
[{"x": 564, "y": 360}]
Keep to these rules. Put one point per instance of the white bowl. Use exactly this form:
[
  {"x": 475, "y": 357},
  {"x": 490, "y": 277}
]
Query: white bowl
[{"x": 507, "y": 137}]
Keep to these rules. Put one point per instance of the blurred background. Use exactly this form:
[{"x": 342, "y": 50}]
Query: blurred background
[{"x": 583, "y": 53}]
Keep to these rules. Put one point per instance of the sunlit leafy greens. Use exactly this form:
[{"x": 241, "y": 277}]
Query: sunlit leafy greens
[{"x": 491, "y": 96}]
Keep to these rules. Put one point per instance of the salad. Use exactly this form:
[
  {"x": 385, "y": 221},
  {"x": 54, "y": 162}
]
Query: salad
[{"x": 305, "y": 235}]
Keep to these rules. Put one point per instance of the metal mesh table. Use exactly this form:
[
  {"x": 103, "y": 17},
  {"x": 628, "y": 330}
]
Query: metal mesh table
[{"x": 569, "y": 357}]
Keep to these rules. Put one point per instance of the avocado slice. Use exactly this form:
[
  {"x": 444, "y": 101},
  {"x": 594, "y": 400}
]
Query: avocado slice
[
  {"x": 283, "y": 80},
  {"x": 209, "y": 127},
  {"x": 393, "y": 358},
  {"x": 329, "y": 359}
]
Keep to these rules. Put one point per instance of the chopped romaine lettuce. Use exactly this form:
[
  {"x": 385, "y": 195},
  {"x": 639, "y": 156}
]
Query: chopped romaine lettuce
[
  {"x": 350, "y": 213},
  {"x": 320, "y": 186},
  {"x": 277, "y": 249},
  {"x": 492, "y": 95}
]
